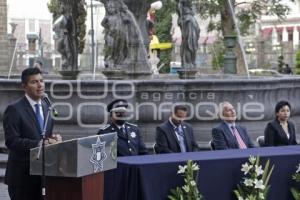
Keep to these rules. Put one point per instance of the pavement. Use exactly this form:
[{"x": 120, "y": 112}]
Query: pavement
[
  {"x": 3, "y": 192},
  {"x": 3, "y": 187}
]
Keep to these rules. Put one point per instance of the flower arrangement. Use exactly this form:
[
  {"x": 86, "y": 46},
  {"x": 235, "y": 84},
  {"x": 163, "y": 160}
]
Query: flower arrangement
[
  {"x": 255, "y": 183},
  {"x": 189, "y": 191},
  {"x": 296, "y": 177}
]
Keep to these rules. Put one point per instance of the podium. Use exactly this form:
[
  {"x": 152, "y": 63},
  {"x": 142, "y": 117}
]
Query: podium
[{"x": 75, "y": 168}]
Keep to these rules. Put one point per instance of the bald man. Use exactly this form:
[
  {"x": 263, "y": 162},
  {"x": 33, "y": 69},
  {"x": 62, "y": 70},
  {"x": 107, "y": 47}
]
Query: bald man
[{"x": 229, "y": 135}]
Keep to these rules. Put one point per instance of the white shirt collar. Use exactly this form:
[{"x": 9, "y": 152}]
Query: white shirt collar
[
  {"x": 33, "y": 102},
  {"x": 170, "y": 120},
  {"x": 230, "y": 125},
  {"x": 119, "y": 127}
]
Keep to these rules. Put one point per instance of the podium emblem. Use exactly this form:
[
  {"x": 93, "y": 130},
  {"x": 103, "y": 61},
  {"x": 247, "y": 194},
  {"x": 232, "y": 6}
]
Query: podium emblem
[{"x": 98, "y": 155}]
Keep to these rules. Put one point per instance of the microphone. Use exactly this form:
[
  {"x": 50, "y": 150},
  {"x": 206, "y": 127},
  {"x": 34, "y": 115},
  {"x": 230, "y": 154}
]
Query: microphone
[{"x": 49, "y": 103}]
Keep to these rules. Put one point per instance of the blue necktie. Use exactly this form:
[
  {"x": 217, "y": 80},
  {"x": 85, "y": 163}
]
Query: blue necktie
[
  {"x": 39, "y": 117},
  {"x": 180, "y": 133},
  {"x": 123, "y": 130}
]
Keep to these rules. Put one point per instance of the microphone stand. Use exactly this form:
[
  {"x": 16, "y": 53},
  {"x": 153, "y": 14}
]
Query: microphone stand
[{"x": 42, "y": 147}]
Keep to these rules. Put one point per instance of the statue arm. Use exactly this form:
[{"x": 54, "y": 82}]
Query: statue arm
[{"x": 105, "y": 22}]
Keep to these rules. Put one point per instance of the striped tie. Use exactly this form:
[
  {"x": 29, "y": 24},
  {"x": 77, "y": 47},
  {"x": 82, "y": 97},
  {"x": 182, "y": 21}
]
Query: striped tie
[
  {"x": 180, "y": 133},
  {"x": 240, "y": 141}
]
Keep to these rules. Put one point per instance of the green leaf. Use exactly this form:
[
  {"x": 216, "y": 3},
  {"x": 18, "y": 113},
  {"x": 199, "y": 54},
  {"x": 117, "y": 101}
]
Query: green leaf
[
  {"x": 269, "y": 175},
  {"x": 296, "y": 193}
]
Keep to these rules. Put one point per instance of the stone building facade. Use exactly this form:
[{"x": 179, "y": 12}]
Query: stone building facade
[{"x": 3, "y": 36}]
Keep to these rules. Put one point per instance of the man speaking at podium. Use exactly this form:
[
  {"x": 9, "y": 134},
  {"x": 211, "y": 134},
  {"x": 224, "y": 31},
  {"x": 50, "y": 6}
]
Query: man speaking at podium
[{"x": 23, "y": 124}]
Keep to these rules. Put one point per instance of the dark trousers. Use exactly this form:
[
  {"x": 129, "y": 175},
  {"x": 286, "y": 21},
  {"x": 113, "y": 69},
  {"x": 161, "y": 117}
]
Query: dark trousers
[{"x": 31, "y": 191}]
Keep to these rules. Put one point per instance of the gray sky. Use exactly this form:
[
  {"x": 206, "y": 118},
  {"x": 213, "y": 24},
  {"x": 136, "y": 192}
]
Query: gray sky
[{"x": 34, "y": 9}]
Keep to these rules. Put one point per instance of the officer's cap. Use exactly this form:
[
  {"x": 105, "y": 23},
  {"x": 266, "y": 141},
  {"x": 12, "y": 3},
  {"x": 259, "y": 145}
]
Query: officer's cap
[{"x": 118, "y": 105}]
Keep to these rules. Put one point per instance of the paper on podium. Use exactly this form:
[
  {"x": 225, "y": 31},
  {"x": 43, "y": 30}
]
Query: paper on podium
[{"x": 77, "y": 157}]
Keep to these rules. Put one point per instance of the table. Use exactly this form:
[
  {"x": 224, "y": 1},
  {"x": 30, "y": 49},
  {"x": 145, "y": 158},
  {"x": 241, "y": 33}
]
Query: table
[{"x": 151, "y": 177}]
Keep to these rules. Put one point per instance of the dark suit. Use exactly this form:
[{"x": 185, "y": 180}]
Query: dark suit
[
  {"x": 167, "y": 141},
  {"x": 224, "y": 139},
  {"x": 129, "y": 143},
  {"x": 22, "y": 132},
  {"x": 275, "y": 135}
]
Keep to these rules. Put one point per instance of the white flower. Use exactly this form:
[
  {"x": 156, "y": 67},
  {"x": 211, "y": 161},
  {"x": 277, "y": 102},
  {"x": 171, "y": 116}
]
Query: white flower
[
  {"x": 298, "y": 168},
  {"x": 186, "y": 188},
  {"x": 248, "y": 182},
  {"x": 195, "y": 167},
  {"x": 246, "y": 168},
  {"x": 252, "y": 159},
  {"x": 181, "y": 169},
  {"x": 259, "y": 170},
  {"x": 193, "y": 183},
  {"x": 240, "y": 198},
  {"x": 259, "y": 184},
  {"x": 261, "y": 195}
]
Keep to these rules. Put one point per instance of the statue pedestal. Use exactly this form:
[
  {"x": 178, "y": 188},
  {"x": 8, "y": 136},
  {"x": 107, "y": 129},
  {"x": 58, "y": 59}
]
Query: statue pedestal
[
  {"x": 229, "y": 64},
  {"x": 140, "y": 75},
  {"x": 119, "y": 74},
  {"x": 69, "y": 75},
  {"x": 114, "y": 74},
  {"x": 187, "y": 73}
]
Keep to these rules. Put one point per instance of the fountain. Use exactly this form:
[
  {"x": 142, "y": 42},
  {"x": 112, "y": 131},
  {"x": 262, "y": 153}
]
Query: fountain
[
  {"x": 190, "y": 33},
  {"x": 66, "y": 39},
  {"x": 125, "y": 52},
  {"x": 82, "y": 104}
]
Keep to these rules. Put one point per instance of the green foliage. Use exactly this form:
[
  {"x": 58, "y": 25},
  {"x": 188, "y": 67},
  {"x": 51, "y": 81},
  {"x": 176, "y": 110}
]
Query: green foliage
[
  {"x": 255, "y": 183},
  {"x": 298, "y": 62},
  {"x": 163, "y": 25},
  {"x": 53, "y": 7},
  {"x": 247, "y": 13},
  {"x": 296, "y": 177},
  {"x": 295, "y": 193},
  {"x": 280, "y": 67},
  {"x": 78, "y": 9},
  {"x": 218, "y": 51},
  {"x": 190, "y": 190}
]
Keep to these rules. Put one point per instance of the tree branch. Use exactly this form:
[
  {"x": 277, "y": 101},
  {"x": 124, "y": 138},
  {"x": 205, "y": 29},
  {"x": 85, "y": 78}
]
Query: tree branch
[{"x": 241, "y": 3}]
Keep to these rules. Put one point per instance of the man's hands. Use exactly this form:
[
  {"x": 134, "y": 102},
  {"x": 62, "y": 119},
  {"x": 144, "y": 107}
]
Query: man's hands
[{"x": 53, "y": 139}]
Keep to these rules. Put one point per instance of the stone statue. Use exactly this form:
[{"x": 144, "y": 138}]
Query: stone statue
[
  {"x": 124, "y": 46},
  {"x": 116, "y": 39},
  {"x": 66, "y": 39},
  {"x": 13, "y": 28},
  {"x": 190, "y": 32}
]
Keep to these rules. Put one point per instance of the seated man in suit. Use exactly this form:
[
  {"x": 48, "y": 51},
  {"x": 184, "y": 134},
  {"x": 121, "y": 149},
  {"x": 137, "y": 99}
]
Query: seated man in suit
[
  {"x": 175, "y": 135},
  {"x": 229, "y": 135},
  {"x": 130, "y": 142}
]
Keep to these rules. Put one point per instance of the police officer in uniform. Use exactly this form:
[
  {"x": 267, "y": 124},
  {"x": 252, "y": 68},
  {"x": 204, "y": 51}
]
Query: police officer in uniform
[{"x": 130, "y": 142}]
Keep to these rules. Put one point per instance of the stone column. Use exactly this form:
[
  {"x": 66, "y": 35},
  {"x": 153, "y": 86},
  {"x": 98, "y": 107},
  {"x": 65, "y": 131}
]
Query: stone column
[
  {"x": 295, "y": 37},
  {"x": 3, "y": 38},
  {"x": 285, "y": 35},
  {"x": 274, "y": 37}
]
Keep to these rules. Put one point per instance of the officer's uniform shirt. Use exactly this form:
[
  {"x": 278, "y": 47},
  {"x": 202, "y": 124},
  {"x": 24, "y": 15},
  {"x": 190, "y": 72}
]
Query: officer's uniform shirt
[{"x": 130, "y": 142}]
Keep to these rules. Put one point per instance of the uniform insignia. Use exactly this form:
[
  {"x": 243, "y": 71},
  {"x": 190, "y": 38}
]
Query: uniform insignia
[
  {"x": 184, "y": 126},
  {"x": 133, "y": 134},
  {"x": 131, "y": 124},
  {"x": 104, "y": 127}
]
